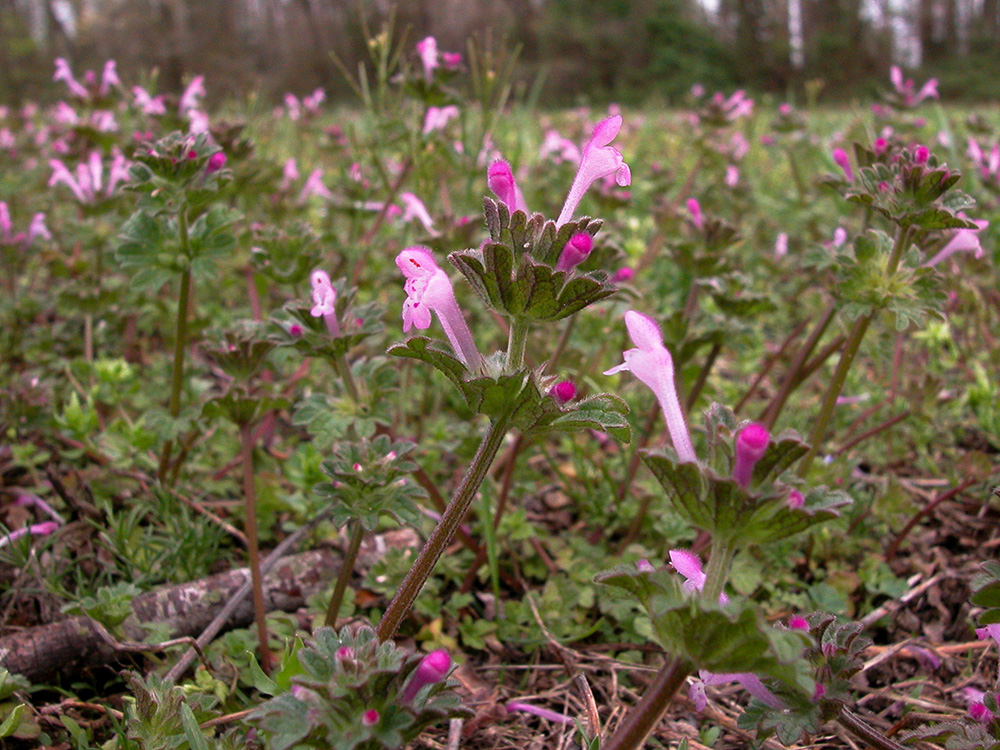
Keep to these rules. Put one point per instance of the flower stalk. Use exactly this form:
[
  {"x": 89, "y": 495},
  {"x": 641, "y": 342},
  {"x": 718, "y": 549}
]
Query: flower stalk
[
  {"x": 851, "y": 347},
  {"x": 443, "y": 533}
]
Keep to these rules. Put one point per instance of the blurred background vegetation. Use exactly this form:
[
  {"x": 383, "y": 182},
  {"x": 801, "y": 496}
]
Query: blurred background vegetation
[{"x": 571, "y": 51}]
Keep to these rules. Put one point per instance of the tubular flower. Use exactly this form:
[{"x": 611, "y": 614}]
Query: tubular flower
[
  {"x": 961, "y": 240},
  {"x": 428, "y": 288},
  {"x": 433, "y": 668},
  {"x": 841, "y": 159},
  {"x": 600, "y": 159},
  {"x": 652, "y": 364},
  {"x": 324, "y": 301},
  {"x": 63, "y": 73},
  {"x": 577, "y": 249},
  {"x": 750, "y": 446},
  {"x": 500, "y": 179},
  {"x": 427, "y": 48}
]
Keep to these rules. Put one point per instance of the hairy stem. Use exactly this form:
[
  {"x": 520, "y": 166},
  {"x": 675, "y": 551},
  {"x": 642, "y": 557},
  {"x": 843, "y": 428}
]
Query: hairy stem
[
  {"x": 863, "y": 731},
  {"x": 516, "y": 343},
  {"x": 253, "y": 548},
  {"x": 770, "y": 415},
  {"x": 344, "y": 575},
  {"x": 851, "y": 347},
  {"x": 443, "y": 533},
  {"x": 180, "y": 341},
  {"x": 641, "y": 720}
]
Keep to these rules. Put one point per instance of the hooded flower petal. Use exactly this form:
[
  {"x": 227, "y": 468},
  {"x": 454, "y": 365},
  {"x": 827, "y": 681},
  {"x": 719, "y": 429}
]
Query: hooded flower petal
[
  {"x": 599, "y": 160},
  {"x": 652, "y": 364}
]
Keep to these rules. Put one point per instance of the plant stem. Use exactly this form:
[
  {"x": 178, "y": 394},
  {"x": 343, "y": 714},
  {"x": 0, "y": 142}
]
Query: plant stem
[
  {"x": 442, "y": 535},
  {"x": 180, "y": 341},
  {"x": 863, "y": 731},
  {"x": 343, "y": 368},
  {"x": 253, "y": 549},
  {"x": 516, "y": 343},
  {"x": 346, "y": 568},
  {"x": 770, "y": 415},
  {"x": 851, "y": 347},
  {"x": 717, "y": 570},
  {"x": 640, "y": 721}
]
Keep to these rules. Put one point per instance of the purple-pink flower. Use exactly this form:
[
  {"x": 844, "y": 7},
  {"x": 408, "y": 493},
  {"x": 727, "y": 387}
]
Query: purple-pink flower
[
  {"x": 577, "y": 249},
  {"x": 428, "y": 289},
  {"x": 652, "y": 364},
  {"x": 599, "y": 159},
  {"x": 904, "y": 87},
  {"x": 324, "y": 298},
  {"x": 437, "y": 117},
  {"x": 841, "y": 159},
  {"x": 428, "y": 50},
  {"x": 414, "y": 208},
  {"x": 751, "y": 444},
  {"x": 961, "y": 240},
  {"x": 433, "y": 668},
  {"x": 64, "y": 74},
  {"x": 500, "y": 180},
  {"x": 23, "y": 240},
  {"x": 88, "y": 183}
]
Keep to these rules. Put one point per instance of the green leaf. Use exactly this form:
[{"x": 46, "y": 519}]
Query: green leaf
[
  {"x": 195, "y": 737},
  {"x": 12, "y": 721}
]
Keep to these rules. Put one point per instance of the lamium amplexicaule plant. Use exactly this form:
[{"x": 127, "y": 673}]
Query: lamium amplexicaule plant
[{"x": 310, "y": 410}]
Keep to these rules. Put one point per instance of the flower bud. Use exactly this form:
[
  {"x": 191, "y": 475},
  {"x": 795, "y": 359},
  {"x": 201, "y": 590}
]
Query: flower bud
[
  {"x": 433, "y": 668},
  {"x": 750, "y": 446}
]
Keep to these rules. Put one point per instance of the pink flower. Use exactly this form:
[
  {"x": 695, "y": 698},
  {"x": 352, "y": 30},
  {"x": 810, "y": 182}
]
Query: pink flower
[
  {"x": 64, "y": 114},
  {"x": 841, "y": 160},
  {"x": 541, "y": 713},
  {"x": 23, "y": 240},
  {"x": 289, "y": 174},
  {"x": 905, "y": 88},
  {"x": 577, "y": 249},
  {"x": 428, "y": 289},
  {"x": 433, "y": 668},
  {"x": 751, "y": 444},
  {"x": 414, "y": 208},
  {"x": 324, "y": 301},
  {"x": 192, "y": 96},
  {"x": 559, "y": 149},
  {"x": 437, "y": 117},
  {"x": 215, "y": 162},
  {"x": 694, "y": 208},
  {"x": 314, "y": 186},
  {"x": 750, "y": 682},
  {"x": 451, "y": 60},
  {"x": 732, "y": 178},
  {"x": 795, "y": 499},
  {"x": 428, "y": 50},
  {"x": 109, "y": 78},
  {"x": 370, "y": 717},
  {"x": 688, "y": 565},
  {"x": 962, "y": 240},
  {"x": 652, "y": 364},
  {"x": 500, "y": 180},
  {"x": 623, "y": 275},
  {"x": 88, "y": 181},
  {"x": 312, "y": 102},
  {"x": 599, "y": 159},
  {"x": 781, "y": 245},
  {"x": 564, "y": 391},
  {"x": 150, "y": 105},
  {"x": 63, "y": 73},
  {"x": 38, "y": 529}
]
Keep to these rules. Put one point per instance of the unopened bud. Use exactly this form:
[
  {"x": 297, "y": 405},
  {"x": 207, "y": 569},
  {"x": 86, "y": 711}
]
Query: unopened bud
[{"x": 750, "y": 446}]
